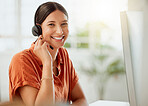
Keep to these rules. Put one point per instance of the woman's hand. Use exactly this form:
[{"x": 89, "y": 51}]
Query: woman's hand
[{"x": 41, "y": 51}]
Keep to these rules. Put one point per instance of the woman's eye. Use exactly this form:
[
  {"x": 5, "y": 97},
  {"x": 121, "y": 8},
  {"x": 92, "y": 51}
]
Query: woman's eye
[
  {"x": 51, "y": 24},
  {"x": 64, "y": 24}
]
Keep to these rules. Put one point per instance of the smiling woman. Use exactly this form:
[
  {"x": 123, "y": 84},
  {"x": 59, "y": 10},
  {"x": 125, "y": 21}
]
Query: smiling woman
[
  {"x": 88, "y": 29},
  {"x": 55, "y": 29},
  {"x": 46, "y": 75}
]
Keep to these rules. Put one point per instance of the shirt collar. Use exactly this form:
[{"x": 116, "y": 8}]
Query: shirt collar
[{"x": 59, "y": 57}]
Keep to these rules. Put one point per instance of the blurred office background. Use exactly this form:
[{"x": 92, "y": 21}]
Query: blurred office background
[{"x": 94, "y": 43}]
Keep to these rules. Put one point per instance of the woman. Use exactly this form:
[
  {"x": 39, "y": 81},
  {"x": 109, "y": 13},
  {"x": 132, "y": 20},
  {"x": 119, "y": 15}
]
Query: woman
[{"x": 44, "y": 74}]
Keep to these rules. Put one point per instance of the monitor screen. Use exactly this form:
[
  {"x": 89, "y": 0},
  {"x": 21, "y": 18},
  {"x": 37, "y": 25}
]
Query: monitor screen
[{"x": 132, "y": 32}]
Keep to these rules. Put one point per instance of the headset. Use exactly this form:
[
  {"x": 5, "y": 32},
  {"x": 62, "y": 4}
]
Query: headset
[{"x": 37, "y": 31}]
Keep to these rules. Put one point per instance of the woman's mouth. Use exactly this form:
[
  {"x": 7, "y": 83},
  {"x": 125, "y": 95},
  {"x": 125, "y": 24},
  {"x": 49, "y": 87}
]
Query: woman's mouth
[{"x": 57, "y": 38}]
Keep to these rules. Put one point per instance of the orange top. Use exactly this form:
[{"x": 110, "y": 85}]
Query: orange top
[{"x": 26, "y": 69}]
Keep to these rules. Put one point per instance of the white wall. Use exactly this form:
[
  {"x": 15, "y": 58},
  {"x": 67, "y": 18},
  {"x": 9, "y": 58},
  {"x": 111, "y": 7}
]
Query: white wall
[
  {"x": 4, "y": 79},
  {"x": 144, "y": 70}
]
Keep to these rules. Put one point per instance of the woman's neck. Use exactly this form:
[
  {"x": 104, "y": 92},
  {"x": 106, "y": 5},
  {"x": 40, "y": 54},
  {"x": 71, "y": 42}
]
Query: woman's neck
[{"x": 54, "y": 54}]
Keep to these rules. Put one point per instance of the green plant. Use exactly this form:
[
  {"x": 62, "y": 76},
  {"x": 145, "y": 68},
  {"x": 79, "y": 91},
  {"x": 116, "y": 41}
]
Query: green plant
[{"x": 102, "y": 70}]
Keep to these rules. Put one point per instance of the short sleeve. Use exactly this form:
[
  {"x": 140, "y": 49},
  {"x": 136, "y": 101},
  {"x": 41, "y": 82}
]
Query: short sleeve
[
  {"x": 74, "y": 76},
  {"x": 21, "y": 73},
  {"x": 73, "y": 79}
]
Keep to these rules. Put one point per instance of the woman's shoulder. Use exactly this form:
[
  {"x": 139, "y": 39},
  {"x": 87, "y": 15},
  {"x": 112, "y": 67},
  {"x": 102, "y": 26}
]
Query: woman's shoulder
[
  {"x": 22, "y": 55},
  {"x": 25, "y": 53}
]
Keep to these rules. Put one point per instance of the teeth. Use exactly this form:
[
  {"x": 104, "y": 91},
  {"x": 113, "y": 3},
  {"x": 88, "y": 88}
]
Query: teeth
[{"x": 58, "y": 38}]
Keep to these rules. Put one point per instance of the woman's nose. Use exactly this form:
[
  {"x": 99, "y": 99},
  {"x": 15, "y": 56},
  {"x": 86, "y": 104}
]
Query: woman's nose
[{"x": 59, "y": 30}]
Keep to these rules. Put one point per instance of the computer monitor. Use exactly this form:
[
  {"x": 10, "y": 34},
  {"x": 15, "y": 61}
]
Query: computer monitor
[{"x": 132, "y": 31}]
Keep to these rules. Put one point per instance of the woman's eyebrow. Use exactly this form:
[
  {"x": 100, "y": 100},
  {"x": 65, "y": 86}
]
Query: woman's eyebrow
[
  {"x": 54, "y": 21},
  {"x": 50, "y": 21},
  {"x": 65, "y": 21}
]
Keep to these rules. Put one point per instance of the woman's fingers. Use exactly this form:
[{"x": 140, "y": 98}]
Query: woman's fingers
[
  {"x": 41, "y": 50},
  {"x": 39, "y": 41},
  {"x": 45, "y": 44},
  {"x": 36, "y": 44}
]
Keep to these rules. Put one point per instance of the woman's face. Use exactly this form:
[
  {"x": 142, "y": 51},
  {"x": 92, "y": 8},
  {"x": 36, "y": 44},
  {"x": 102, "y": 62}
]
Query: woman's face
[{"x": 55, "y": 29}]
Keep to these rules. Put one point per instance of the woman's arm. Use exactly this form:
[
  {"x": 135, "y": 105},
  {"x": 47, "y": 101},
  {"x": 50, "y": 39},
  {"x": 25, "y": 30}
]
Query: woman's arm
[
  {"x": 32, "y": 96},
  {"x": 45, "y": 95},
  {"x": 78, "y": 97}
]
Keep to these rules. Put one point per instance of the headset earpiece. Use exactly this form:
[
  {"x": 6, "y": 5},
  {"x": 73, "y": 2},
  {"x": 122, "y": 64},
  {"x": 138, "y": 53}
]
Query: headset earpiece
[{"x": 36, "y": 30}]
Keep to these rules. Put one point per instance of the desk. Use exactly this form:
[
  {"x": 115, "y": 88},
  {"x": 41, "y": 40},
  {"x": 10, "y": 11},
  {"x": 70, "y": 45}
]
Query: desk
[{"x": 109, "y": 103}]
